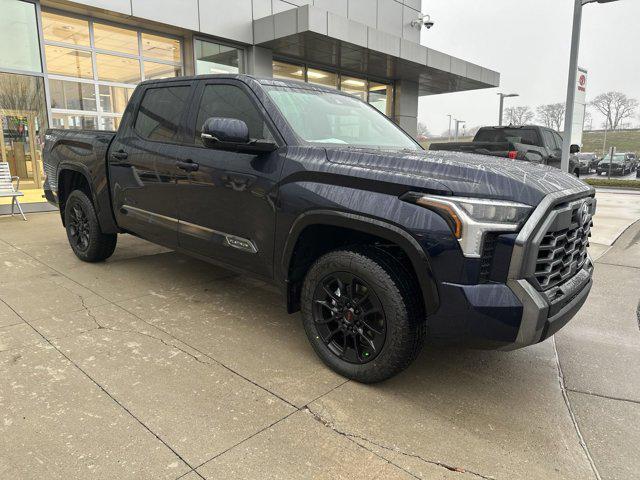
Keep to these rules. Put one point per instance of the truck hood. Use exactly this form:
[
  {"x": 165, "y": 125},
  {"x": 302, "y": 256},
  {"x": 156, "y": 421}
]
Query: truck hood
[{"x": 462, "y": 174}]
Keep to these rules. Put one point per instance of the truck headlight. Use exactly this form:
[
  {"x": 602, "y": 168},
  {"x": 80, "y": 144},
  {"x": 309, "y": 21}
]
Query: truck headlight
[{"x": 470, "y": 218}]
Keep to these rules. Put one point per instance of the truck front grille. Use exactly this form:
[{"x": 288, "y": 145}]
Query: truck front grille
[{"x": 563, "y": 248}]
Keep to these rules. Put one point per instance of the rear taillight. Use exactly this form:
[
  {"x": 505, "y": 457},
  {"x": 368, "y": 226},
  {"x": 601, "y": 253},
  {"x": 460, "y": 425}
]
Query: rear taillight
[{"x": 513, "y": 154}]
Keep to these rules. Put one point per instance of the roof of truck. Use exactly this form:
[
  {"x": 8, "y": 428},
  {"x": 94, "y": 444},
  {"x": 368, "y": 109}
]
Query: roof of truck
[{"x": 248, "y": 79}]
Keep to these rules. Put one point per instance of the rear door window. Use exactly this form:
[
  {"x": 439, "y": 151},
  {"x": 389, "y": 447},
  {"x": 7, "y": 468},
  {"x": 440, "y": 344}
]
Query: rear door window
[{"x": 160, "y": 113}]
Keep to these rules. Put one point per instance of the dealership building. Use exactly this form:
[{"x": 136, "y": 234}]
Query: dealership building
[{"x": 67, "y": 64}]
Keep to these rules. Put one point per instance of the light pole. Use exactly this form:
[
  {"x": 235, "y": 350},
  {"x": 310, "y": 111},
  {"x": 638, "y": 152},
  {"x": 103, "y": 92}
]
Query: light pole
[
  {"x": 573, "y": 75},
  {"x": 502, "y": 97},
  {"x": 458, "y": 123},
  {"x": 450, "y": 117}
]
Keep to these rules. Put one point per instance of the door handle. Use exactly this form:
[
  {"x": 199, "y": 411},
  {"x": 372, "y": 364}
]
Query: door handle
[
  {"x": 187, "y": 165},
  {"x": 120, "y": 155}
]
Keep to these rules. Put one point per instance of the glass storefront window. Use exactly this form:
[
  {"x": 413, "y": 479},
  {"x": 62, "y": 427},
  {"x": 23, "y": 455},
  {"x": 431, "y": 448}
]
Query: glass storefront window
[
  {"x": 115, "y": 39},
  {"x": 112, "y": 68},
  {"x": 74, "y": 122},
  {"x": 354, "y": 86},
  {"x": 23, "y": 118},
  {"x": 161, "y": 48},
  {"x": 68, "y": 62},
  {"x": 19, "y": 43},
  {"x": 114, "y": 99},
  {"x": 320, "y": 77},
  {"x": 153, "y": 70},
  {"x": 215, "y": 58},
  {"x": 288, "y": 71},
  {"x": 59, "y": 28},
  {"x": 99, "y": 100},
  {"x": 380, "y": 96},
  {"x": 109, "y": 123},
  {"x": 72, "y": 95}
]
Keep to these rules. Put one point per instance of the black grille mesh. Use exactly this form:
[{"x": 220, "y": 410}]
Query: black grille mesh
[
  {"x": 486, "y": 260},
  {"x": 563, "y": 252}
]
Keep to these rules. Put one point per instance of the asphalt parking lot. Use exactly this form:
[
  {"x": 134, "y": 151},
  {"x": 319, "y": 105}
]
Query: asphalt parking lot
[{"x": 154, "y": 365}]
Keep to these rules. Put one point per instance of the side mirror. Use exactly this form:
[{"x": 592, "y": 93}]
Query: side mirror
[
  {"x": 232, "y": 134},
  {"x": 219, "y": 130},
  {"x": 574, "y": 149}
]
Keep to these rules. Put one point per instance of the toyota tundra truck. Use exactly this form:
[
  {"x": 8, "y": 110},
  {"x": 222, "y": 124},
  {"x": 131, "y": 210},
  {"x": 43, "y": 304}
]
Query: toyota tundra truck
[
  {"x": 380, "y": 244},
  {"x": 532, "y": 143}
]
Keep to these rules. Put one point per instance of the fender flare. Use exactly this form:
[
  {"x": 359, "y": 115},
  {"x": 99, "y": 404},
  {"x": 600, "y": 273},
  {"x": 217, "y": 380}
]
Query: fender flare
[
  {"x": 102, "y": 205},
  {"x": 373, "y": 226}
]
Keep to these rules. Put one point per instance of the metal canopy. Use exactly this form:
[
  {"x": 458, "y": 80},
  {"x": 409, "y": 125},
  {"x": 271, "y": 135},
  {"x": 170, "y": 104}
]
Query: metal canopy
[{"x": 302, "y": 34}]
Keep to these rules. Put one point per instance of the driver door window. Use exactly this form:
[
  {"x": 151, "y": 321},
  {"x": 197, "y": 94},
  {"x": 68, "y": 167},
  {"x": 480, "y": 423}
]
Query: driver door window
[
  {"x": 549, "y": 140},
  {"x": 229, "y": 101}
]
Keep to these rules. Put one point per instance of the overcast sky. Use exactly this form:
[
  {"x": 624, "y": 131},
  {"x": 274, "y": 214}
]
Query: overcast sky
[{"x": 528, "y": 42}]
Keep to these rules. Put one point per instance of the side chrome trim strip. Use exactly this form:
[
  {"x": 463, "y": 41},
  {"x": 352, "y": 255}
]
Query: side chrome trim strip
[
  {"x": 149, "y": 217},
  {"x": 192, "y": 229},
  {"x": 206, "y": 233}
]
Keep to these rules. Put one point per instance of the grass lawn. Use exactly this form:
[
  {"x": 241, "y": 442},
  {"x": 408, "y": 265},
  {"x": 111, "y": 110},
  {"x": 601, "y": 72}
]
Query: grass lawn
[{"x": 623, "y": 140}]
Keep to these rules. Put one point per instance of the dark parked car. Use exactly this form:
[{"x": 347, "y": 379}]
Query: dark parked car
[
  {"x": 633, "y": 158},
  {"x": 585, "y": 162},
  {"x": 588, "y": 162},
  {"x": 532, "y": 143},
  {"x": 379, "y": 243},
  {"x": 621, "y": 165}
]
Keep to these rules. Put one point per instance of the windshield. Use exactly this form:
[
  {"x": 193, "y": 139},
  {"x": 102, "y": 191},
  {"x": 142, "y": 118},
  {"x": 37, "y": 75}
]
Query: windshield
[
  {"x": 527, "y": 136},
  {"x": 336, "y": 119},
  {"x": 616, "y": 159}
]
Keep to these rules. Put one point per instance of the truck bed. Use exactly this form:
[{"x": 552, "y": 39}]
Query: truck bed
[
  {"x": 83, "y": 152},
  {"x": 78, "y": 147}
]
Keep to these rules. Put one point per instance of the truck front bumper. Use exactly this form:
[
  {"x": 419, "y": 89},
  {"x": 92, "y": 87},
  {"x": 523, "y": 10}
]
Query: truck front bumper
[
  {"x": 543, "y": 314},
  {"x": 507, "y": 316},
  {"x": 522, "y": 310}
]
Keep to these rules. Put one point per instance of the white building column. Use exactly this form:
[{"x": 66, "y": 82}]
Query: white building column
[
  {"x": 406, "y": 106},
  {"x": 260, "y": 62}
]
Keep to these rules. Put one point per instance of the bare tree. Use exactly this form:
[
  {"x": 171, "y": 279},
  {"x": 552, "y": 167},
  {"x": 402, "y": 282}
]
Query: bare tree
[
  {"x": 552, "y": 115},
  {"x": 423, "y": 131},
  {"x": 616, "y": 107},
  {"x": 518, "y": 115},
  {"x": 588, "y": 121},
  {"x": 471, "y": 131}
]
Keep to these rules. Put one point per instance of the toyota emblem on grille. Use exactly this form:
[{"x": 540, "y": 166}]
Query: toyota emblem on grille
[{"x": 584, "y": 214}]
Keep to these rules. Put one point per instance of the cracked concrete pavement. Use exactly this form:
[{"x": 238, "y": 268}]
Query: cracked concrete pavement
[{"x": 155, "y": 365}]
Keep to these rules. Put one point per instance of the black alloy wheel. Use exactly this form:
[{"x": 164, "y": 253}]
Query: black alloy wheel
[
  {"x": 349, "y": 317},
  {"x": 363, "y": 313},
  {"x": 78, "y": 228},
  {"x": 85, "y": 236}
]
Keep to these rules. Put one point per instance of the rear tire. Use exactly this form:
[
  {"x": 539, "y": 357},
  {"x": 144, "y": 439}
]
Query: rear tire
[
  {"x": 368, "y": 347},
  {"x": 83, "y": 230}
]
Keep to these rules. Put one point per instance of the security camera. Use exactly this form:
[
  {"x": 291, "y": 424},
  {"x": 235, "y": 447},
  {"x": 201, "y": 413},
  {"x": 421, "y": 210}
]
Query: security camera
[{"x": 423, "y": 20}]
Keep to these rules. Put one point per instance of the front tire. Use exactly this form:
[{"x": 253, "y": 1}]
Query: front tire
[
  {"x": 83, "y": 230},
  {"x": 362, "y": 313}
]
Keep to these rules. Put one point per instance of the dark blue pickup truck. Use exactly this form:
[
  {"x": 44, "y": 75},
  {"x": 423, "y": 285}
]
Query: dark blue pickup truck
[{"x": 380, "y": 244}]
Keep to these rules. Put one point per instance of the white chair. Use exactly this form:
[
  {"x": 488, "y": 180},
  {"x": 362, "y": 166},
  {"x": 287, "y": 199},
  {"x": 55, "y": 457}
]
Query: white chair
[{"x": 7, "y": 189}]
